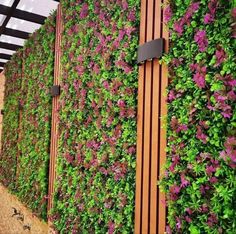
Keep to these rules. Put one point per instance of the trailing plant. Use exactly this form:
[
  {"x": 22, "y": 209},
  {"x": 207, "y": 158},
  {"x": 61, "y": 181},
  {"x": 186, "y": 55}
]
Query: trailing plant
[
  {"x": 200, "y": 179},
  {"x": 95, "y": 182}
]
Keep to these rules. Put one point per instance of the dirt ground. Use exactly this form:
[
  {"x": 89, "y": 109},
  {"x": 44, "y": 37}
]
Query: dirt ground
[{"x": 14, "y": 225}]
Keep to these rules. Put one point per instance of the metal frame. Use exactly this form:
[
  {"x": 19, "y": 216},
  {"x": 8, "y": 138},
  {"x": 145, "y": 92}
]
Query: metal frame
[{"x": 19, "y": 14}]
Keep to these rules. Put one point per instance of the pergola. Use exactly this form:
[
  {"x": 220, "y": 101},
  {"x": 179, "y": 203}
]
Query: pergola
[{"x": 18, "y": 19}]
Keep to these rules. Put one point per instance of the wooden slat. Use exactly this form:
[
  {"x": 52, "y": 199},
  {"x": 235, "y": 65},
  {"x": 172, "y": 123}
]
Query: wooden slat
[
  {"x": 163, "y": 139},
  {"x": 155, "y": 125},
  {"x": 139, "y": 167},
  {"x": 147, "y": 124},
  {"x": 150, "y": 212},
  {"x": 55, "y": 105}
]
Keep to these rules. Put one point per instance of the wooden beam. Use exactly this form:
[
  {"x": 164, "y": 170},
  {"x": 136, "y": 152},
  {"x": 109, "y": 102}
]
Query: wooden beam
[
  {"x": 150, "y": 211},
  {"x": 2, "y": 64},
  {"x": 5, "y": 56},
  {"x": 24, "y": 15},
  {"x": 9, "y": 46},
  {"x": 9, "y": 15},
  {"x": 55, "y": 106},
  {"x": 16, "y": 33}
]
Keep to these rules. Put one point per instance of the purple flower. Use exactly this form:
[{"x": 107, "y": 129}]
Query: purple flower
[
  {"x": 167, "y": 14},
  {"x": 111, "y": 227},
  {"x": 208, "y": 18},
  {"x": 171, "y": 96},
  {"x": 212, "y": 5},
  {"x": 199, "y": 79},
  {"x": 121, "y": 103},
  {"x": 188, "y": 219},
  {"x": 200, "y": 135},
  {"x": 212, "y": 220},
  {"x": 184, "y": 182},
  {"x": 233, "y": 13},
  {"x": 220, "y": 56},
  {"x": 168, "y": 229},
  {"x": 201, "y": 39},
  {"x": 84, "y": 11},
  {"x": 131, "y": 16},
  {"x": 178, "y": 27},
  {"x": 213, "y": 180},
  {"x": 210, "y": 169},
  {"x": 182, "y": 128},
  {"x": 178, "y": 223}
]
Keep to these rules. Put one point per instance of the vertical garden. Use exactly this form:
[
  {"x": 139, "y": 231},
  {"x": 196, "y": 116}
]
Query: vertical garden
[
  {"x": 200, "y": 176},
  {"x": 27, "y": 119},
  {"x": 97, "y": 115},
  {"x": 95, "y": 183}
]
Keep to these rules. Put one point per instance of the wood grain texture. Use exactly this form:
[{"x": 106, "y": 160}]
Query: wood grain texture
[
  {"x": 55, "y": 105},
  {"x": 150, "y": 211}
]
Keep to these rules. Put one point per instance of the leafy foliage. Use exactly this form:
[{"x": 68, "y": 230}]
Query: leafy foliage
[
  {"x": 200, "y": 179},
  {"x": 9, "y": 153},
  {"x": 96, "y": 161},
  {"x": 29, "y": 83}
]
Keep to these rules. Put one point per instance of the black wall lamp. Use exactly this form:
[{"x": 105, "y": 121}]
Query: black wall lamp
[
  {"x": 2, "y": 112},
  {"x": 55, "y": 90},
  {"x": 150, "y": 50}
]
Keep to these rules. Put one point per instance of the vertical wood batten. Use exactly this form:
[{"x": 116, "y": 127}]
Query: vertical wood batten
[
  {"x": 139, "y": 160},
  {"x": 147, "y": 124},
  {"x": 55, "y": 105},
  {"x": 163, "y": 136},
  {"x": 150, "y": 212},
  {"x": 155, "y": 124}
]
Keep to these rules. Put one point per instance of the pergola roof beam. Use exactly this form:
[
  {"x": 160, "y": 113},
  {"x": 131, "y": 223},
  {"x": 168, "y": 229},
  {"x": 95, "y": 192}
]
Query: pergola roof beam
[
  {"x": 9, "y": 46},
  {"x": 24, "y": 15},
  {"x": 5, "y": 56},
  {"x": 16, "y": 33}
]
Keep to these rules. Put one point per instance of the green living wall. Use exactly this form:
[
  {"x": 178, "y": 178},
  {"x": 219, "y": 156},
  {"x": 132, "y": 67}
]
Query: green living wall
[
  {"x": 95, "y": 184},
  {"x": 200, "y": 176},
  {"x": 29, "y": 76},
  {"x": 8, "y": 158}
]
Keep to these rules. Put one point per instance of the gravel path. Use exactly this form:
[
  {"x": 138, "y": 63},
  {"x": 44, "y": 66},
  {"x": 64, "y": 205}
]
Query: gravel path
[{"x": 12, "y": 225}]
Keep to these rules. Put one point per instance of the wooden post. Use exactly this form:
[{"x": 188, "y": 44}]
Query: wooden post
[
  {"x": 55, "y": 105},
  {"x": 150, "y": 212}
]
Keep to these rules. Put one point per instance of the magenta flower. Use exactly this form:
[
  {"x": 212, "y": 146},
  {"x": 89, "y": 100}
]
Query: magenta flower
[
  {"x": 199, "y": 76},
  {"x": 213, "y": 180},
  {"x": 182, "y": 128},
  {"x": 167, "y": 14},
  {"x": 200, "y": 135},
  {"x": 208, "y": 18},
  {"x": 199, "y": 79},
  {"x": 210, "y": 169},
  {"x": 212, "y": 5},
  {"x": 111, "y": 227},
  {"x": 168, "y": 229},
  {"x": 131, "y": 16},
  {"x": 184, "y": 182},
  {"x": 233, "y": 13},
  {"x": 84, "y": 11},
  {"x": 188, "y": 219},
  {"x": 201, "y": 39},
  {"x": 212, "y": 220},
  {"x": 171, "y": 95},
  {"x": 220, "y": 56},
  {"x": 178, "y": 223},
  {"x": 121, "y": 103},
  {"x": 179, "y": 27}
]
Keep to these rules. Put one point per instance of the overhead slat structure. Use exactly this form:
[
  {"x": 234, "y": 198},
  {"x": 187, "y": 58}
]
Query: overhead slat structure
[{"x": 18, "y": 19}]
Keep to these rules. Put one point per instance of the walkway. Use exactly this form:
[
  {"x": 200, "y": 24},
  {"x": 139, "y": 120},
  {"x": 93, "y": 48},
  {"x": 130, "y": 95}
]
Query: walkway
[{"x": 15, "y": 225}]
